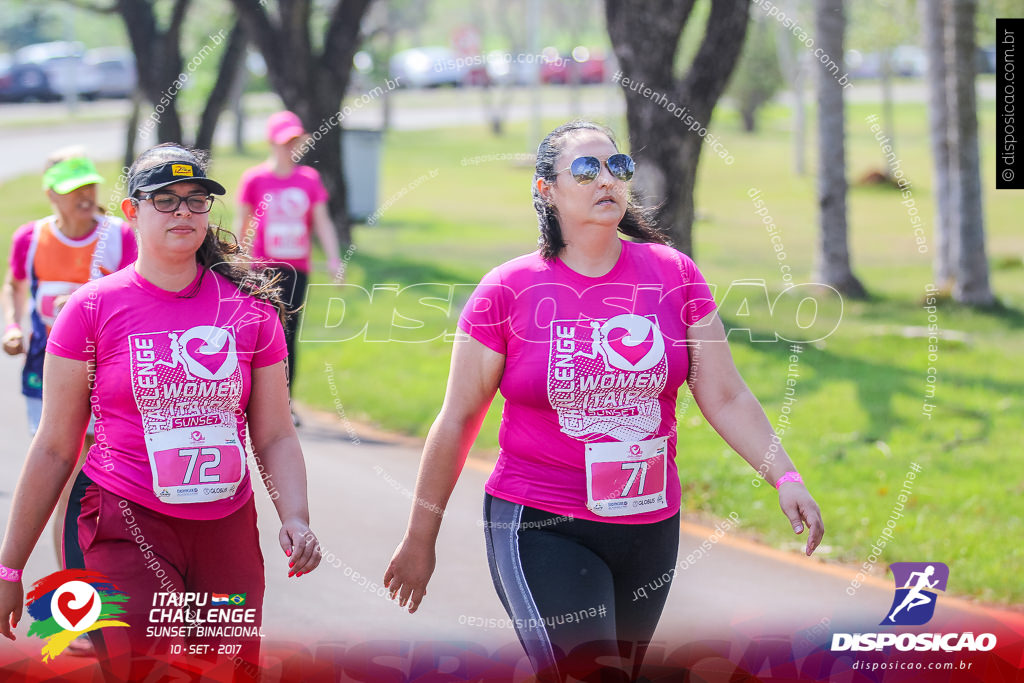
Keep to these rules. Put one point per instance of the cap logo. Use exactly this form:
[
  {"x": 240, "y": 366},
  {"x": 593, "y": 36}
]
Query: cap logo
[{"x": 181, "y": 170}]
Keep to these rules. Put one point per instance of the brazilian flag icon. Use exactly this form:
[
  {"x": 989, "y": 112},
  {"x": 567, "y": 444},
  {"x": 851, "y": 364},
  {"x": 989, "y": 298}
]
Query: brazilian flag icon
[{"x": 237, "y": 599}]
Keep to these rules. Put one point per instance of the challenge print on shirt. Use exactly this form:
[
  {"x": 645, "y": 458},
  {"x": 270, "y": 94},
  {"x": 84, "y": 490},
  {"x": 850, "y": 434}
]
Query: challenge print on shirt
[
  {"x": 187, "y": 386},
  {"x": 604, "y": 379},
  {"x": 604, "y": 376}
]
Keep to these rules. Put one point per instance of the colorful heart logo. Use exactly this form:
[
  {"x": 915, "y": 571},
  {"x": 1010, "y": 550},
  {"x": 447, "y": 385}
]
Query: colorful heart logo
[{"x": 74, "y": 615}]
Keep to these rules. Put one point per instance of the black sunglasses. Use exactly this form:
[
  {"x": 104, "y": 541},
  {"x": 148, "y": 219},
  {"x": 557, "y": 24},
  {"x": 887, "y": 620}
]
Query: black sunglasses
[
  {"x": 586, "y": 169},
  {"x": 168, "y": 202}
]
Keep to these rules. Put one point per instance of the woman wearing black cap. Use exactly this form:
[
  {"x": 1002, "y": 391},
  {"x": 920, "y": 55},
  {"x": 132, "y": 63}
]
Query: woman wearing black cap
[{"x": 180, "y": 358}]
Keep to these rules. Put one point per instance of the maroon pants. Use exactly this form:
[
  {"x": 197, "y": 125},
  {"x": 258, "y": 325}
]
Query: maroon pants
[{"x": 144, "y": 552}]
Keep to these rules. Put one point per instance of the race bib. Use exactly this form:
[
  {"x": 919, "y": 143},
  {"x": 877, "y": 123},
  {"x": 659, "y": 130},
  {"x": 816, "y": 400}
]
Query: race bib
[
  {"x": 626, "y": 477},
  {"x": 286, "y": 239},
  {"x": 209, "y": 468},
  {"x": 188, "y": 387}
]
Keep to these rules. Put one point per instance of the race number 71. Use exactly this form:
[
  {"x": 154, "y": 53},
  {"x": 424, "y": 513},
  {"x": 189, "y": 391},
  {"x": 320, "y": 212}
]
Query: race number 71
[{"x": 636, "y": 467}]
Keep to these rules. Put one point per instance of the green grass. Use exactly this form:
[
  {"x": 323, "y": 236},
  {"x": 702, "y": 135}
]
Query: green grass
[{"x": 857, "y": 423}]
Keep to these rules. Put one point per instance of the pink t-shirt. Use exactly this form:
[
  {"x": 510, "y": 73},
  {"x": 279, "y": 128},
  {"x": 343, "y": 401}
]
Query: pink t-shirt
[
  {"x": 172, "y": 379},
  {"x": 282, "y": 210},
  {"x": 592, "y": 369}
]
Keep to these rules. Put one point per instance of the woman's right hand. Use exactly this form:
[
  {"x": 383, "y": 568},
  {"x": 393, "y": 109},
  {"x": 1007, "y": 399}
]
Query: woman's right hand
[
  {"x": 12, "y": 599},
  {"x": 409, "y": 571}
]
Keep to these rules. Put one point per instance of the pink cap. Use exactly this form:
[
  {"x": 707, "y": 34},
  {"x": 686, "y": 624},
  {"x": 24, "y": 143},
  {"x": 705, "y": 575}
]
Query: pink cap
[{"x": 284, "y": 126}]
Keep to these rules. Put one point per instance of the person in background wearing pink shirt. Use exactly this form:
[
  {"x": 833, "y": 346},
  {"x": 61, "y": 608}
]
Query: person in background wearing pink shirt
[
  {"x": 181, "y": 360},
  {"x": 588, "y": 339},
  {"x": 281, "y": 205}
]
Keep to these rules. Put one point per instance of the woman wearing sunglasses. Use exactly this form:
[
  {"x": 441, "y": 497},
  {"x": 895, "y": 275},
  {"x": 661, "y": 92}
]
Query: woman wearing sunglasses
[
  {"x": 180, "y": 358},
  {"x": 587, "y": 340}
]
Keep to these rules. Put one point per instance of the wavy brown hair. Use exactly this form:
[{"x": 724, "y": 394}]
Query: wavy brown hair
[
  {"x": 638, "y": 222},
  {"x": 220, "y": 251}
]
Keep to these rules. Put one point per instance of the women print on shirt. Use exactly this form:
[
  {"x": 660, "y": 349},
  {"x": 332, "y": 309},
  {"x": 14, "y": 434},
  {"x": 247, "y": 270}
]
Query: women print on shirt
[{"x": 605, "y": 376}]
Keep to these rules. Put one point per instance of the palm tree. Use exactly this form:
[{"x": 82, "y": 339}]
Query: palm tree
[
  {"x": 832, "y": 266},
  {"x": 971, "y": 285},
  {"x": 933, "y": 30}
]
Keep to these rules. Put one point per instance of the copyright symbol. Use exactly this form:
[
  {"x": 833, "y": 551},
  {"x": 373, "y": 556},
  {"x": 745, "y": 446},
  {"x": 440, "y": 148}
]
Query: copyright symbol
[{"x": 1007, "y": 174}]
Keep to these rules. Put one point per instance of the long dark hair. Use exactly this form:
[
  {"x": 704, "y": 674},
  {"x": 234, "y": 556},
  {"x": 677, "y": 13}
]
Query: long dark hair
[
  {"x": 219, "y": 251},
  {"x": 638, "y": 221}
]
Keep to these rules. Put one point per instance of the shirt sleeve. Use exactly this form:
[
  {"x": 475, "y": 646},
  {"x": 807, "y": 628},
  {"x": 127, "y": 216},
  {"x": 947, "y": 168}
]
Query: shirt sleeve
[
  {"x": 247, "y": 188},
  {"x": 129, "y": 248},
  {"x": 19, "y": 252},
  {"x": 270, "y": 343},
  {"x": 486, "y": 315},
  {"x": 317, "y": 190},
  {"x": 698, "y": 301},
  {"x": 74, "y": 332}
]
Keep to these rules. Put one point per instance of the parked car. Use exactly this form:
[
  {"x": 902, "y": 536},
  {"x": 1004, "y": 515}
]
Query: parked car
[
  {"x": 23, "y": 82},
  {"x": 426, "y": 67},
  {"x": 65, "y": 68},
  {"x": 116, "y": 69},
  {"x": 582, "y": 65}
]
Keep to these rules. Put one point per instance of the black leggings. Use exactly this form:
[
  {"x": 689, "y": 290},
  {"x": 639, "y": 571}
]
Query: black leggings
[{"x": 570, "y": 587}]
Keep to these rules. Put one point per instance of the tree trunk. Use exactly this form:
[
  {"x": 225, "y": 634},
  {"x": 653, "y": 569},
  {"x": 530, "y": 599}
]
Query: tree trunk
[
  {"x": 748, "y": 115},
  {"x": 888, "y": 119},
  {"x": 933, "y": 36},
  {"x": 832, "y": 266},
  {"x": 158, "y": 60},
  {"x": 229, "y": 72},
  {"x": 645, "y": 36},
  {"x": 800, "y": 119},
  {"x": 972, "y": 282},
  {"x": 793, "y": 68},
  {"x": 133, "y": 129}
]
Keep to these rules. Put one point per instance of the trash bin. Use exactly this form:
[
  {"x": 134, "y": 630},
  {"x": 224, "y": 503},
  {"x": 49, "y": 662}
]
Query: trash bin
[{"x": 360, "y": 164}]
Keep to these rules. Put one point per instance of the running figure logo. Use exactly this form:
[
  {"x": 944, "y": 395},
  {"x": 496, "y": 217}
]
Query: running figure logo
[{"x": 916, "y": 583}]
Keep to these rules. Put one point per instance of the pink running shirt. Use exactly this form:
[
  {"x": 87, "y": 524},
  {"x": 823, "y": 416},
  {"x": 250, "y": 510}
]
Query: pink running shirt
[
  {"x": 172, "y": 379},
  {"x": 283, "y": 212},
  {"x": 592, "y": 369}
]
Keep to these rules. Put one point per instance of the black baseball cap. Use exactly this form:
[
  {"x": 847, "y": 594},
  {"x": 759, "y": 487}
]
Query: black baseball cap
[{"x": 168, "y": 173}]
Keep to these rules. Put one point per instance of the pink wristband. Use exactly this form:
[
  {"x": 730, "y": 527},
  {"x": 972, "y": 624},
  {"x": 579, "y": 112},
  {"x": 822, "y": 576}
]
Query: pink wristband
[
  {"x": 789, "y": 476},
  {"x": 8, "y": 574},
  {"x": 12, "y": 326}
]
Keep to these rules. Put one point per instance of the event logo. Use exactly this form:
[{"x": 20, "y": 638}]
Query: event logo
[
  {"x": 913, "y": 605},
  {"x": 916, "y": 585},
  {"x": 68, "y": 603}
]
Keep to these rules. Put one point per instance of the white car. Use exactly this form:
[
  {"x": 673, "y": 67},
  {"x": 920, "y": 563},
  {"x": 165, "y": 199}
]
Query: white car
[{"x": 425, "y": 67}]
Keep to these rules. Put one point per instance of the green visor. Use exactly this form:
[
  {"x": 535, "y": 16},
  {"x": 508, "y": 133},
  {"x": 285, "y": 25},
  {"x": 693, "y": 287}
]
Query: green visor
[{"x": 69, "y": 175}]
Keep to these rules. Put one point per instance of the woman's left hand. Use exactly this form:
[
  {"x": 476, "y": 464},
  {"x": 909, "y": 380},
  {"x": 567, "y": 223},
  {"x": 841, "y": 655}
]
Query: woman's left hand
[
  {"x": 300, "y": 545},
  {"x": 798, "y": 505}
]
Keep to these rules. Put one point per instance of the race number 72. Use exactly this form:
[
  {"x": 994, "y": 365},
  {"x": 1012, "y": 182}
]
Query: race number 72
[{"x": 193, "y": 454}]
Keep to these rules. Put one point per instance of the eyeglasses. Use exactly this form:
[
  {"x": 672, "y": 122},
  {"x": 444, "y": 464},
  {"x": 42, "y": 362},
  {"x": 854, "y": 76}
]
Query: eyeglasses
[
  {"x": 168, "y": 202},
  {"x": 586, "y": 169}
]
